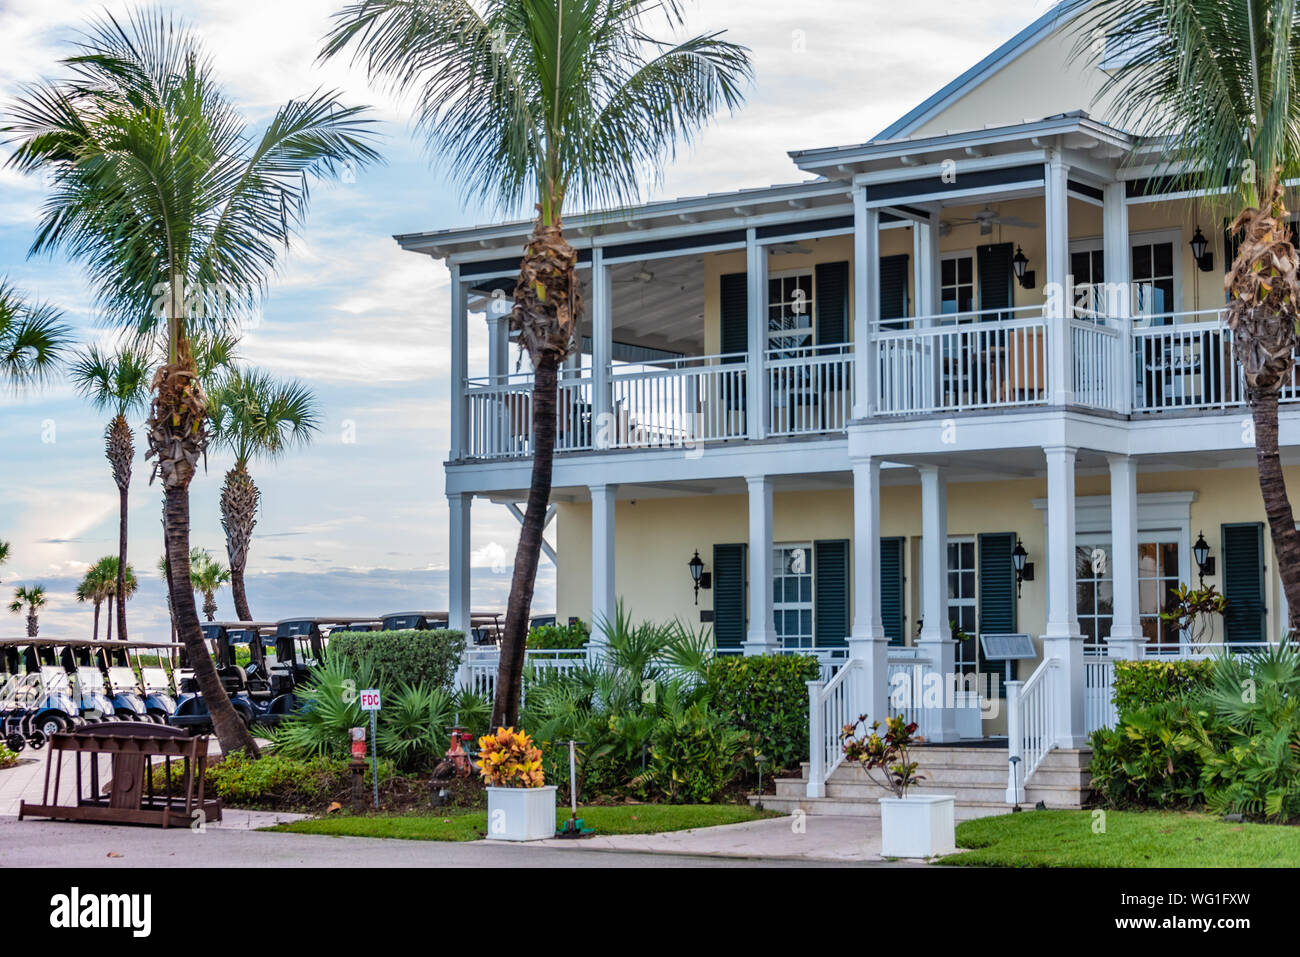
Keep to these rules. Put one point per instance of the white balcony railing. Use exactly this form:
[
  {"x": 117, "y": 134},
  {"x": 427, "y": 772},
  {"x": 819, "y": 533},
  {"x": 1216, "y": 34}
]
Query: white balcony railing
[
  {"x": 1095, "y": 354},
  {"x": 809, "y": 390},
  {"x": 699, "y": 399},
  {"x": 978, "y": 360},
  {"x": 500, "y": 411}
]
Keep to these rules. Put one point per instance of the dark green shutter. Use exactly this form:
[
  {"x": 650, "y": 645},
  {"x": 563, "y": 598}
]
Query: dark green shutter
[
  {"x": 891, "y": 588},
  {"x": 729, "y": 574},
  {"x": 996, "y": 600},
  {"x": 893, "y": 287},
  {"x": 831, "y": 593},
  {"x": 831, "y": 300},
  {"x": 1243, "y": 582},
  {"x": 735, "y": 314},
  {"x": 993, "y": 264}
]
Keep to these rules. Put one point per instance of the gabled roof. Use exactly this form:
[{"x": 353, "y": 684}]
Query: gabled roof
[{"x": 1024, "y": 40}]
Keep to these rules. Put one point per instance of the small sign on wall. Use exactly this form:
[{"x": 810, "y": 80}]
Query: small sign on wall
[{"x": 706, "y": 617}]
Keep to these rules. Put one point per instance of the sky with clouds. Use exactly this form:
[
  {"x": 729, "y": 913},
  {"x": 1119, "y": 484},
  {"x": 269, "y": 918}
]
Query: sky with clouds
[{"x": 356, "y": 524}]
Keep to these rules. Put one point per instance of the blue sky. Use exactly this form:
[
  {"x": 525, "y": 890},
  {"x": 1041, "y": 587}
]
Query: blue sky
[{"x": 356, "y": 524}]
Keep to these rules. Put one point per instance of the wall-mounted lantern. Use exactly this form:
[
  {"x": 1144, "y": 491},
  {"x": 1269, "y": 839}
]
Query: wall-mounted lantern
[
  {"x": 1023, "y": 567},
  {"x": 1201, "y": 552},
  {"x": 1200, "y": 251},
  {"x": 699, "y": 576},
  {"x": 1024, "y": 275}
]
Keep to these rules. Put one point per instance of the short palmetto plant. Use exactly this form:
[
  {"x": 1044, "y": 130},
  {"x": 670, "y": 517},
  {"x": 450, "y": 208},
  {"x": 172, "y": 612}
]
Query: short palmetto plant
[
  {"x": 162, "y": 222},
  {"x": 117, "y": 382},
  {"x": 254, "y": 416},
  {"x": 207, "y": 575},
  {"x": 1213, "y": 84},
  {"x": 888, "y": 754},
  {"x": 31, "y": 598},
  {"x": 544, "y": 103},
  {"x": 33, "y": 339}
]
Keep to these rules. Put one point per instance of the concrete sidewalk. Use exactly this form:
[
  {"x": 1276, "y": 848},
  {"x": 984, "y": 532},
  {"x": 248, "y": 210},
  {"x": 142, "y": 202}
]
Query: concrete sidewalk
[{"x": 826, "y": 839}]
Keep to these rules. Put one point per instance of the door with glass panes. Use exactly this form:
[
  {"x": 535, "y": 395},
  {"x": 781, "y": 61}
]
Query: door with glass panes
[{"x": 1159, "y": 568}]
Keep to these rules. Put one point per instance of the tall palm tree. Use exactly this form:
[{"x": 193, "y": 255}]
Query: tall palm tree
[
  {"x": 206, "y": 576},
  {"x": 254, "y": 416},
  {"x": 33, "y": 339},
  {"x": 179, "y": 213},
  {"x": 94, "y": 588},
  {"x": 120, "y": 588},
  {"x": 543, "y": 101},
  {"x": 1215, "y": 83},
  {"x": 116, "y": 382},
  {"x": 31, "y": 597}
]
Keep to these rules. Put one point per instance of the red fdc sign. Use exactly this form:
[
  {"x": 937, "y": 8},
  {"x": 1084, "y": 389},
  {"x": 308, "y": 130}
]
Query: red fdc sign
[{"x": 370, "y": 700}]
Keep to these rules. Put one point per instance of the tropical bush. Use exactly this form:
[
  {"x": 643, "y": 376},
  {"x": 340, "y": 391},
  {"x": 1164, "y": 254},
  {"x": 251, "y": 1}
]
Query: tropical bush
[
  {"x": 1143, "y": 684},
  {"x": 509, "y": 759},
  {"x": 277, "y": 780},
  {"x": 890, "y": 753},
  {"x": 414, "y": 657},
  {"x": 1232, "y": 747},
  {"x": 767, "y": 696},
  {"x": 416, "y": 721},
  {"x": 559, "y": 636},
  {"x": 649, "y": 686},
  {"x": 7, "y": 758}
]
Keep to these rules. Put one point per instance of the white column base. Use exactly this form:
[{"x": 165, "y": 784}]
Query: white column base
[
  {"x": 1068, "y": 695},
  {"x": 870, "y": 691},
  {"x": 940, "y": 724}
]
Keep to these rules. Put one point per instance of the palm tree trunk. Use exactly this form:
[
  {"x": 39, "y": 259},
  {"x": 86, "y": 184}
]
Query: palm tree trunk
[
  {"x": 96, "y": 629},
  {"x": 120, "y": 450},
  {"x": 108, "y": 624},
  {"x": 210, "y": 606},
  {"x": 1277, "y": 505},
  {"x": 239, "y": 498},
  {"x": 33, "y": 627},
  {"x": 230, "y": 729},
  {"x": 505, "y": 707}
]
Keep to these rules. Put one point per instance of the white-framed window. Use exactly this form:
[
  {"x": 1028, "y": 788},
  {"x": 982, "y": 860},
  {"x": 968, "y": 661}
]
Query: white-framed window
[
  {"x": 962, "y": 597},
  {"x": 957, "y": 283},
  {"x": 1157, "y": 274},
  {"x": 1159, "y": 571},
  {"x": 790, "y": 310},
  {"x": 792, "y": 594}
]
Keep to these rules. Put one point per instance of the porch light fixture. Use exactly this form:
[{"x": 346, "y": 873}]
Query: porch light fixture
[
  {"x": 1200, "y": 251},
  {"x": 1201, "y": 552},
  {"x": 1019, "y": 561},
  {"x": 699, "y": 576},
  {"x": 1020, "y": 263}
]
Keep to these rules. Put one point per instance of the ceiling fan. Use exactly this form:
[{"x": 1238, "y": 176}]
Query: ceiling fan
[{"x": 986, "y": 219}]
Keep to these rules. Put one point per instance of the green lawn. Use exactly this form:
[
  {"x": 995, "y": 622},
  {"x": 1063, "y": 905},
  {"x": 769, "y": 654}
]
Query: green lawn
[
  {"x": 1130, "y": 839},
  {"x": 471, "y": 825}
]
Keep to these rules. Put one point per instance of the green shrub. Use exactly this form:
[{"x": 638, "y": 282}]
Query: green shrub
[
  {"x": 329, "y": 707},
  {"x": 693, "y": 753},
  {"x": 283, "y": 781},
  {"x": 410, "y": 657},
  {"x": 1148, "y": 759},
  {"x": 766, "y": 696},
  {"x": 559, "y": 636},
  {"x": 1142, "y": 684},
  {"x": 7, "y": 758}
]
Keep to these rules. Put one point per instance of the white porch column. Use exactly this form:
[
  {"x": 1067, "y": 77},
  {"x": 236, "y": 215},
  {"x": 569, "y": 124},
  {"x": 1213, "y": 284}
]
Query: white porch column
[
  {"x": 458, "y": 567},
  {"x": 459, "y": 365},
  {"x": 868, "y": 644},
  {"x": 761, "y": 638},
  {"x": 602, "y": 351},
  {"x": 604, "y": 598},
  {"x": 1125, "y": 639},
  {"x": 925, "y": 256},
  {"x": 1063, "y": 639},
  {"x": 1056, "y": 203},
  {"x": 866, "y": 302},
  {"x": 755, "y": 372},
  {"x": 1118, "y": 261},
  {"x": 498, "y": 341},
  {"x": 936, "y": 641}
]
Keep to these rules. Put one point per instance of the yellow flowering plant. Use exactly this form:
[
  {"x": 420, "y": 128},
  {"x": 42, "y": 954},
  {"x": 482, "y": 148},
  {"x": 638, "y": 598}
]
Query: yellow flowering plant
[{"x": 508, "y": 759}]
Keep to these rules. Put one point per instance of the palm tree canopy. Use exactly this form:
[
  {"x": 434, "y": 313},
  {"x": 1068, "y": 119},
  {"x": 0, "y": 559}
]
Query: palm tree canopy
[
  {"x": 106, "y": 568},
  {"x": 31, "y": 596},
  {"x": 206, "y": 573},
  {"x": 257, "y": 416},
  {"x": 159, "y": 188},
  {"x": 1215, "y": 82},
  {"x": 545, "y": 98},
  {"x": 97, "y": 583},
  {"x": 117, "y": 381},
  {"x": 33, "y": 339}
]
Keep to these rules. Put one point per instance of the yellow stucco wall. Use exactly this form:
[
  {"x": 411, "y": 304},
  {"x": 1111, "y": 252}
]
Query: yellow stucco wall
[{"x": 656, "y": 537}]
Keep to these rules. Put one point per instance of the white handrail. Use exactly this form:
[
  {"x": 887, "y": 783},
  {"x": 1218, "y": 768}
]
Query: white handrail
[
  {"x": 1031, "y": 725},
  {"x": 830, "y": 708}
]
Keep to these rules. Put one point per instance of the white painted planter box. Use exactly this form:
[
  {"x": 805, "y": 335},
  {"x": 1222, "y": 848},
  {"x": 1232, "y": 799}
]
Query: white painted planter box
[
  {"x": 521, "y": 814},
  {"x": 921, "y": 825}
]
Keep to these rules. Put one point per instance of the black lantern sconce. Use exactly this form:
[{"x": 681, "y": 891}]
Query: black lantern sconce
[
  {"x": 699, "y": 576},
  {"x": 1201, "y": 552},
  {"x": 1024, "y": 275},
  {"x": 1024, "y": 568},
  {"x": 1200, "y": 251}
]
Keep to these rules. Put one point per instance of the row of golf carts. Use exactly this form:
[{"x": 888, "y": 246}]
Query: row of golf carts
[{"x": 53, "y": 685}]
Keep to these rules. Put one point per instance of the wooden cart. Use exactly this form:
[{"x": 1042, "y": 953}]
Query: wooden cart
[{"x": 129, "y": 795}]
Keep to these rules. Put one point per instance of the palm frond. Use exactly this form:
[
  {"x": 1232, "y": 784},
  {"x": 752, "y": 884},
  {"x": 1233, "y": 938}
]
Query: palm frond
[
  {"x": 33, "y": 339},
  {"x": 118, "y": 381},
  {"x": 254, "y": 415}
]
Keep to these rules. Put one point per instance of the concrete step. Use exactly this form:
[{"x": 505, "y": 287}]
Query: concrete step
[{"x": 853, "y": 808}]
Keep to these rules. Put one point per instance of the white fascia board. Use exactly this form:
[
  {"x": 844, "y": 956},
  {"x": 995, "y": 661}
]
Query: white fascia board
[
  {"x": 968, "y": 164},
  {"x": 947, "y": 196}
]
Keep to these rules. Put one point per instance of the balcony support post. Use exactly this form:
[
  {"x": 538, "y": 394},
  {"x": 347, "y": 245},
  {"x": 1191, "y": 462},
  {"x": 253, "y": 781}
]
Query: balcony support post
[
  {"x": 1117, "y": 255},
  {"x": 755, "y": 372},
  {"x": 605, "y": 430},
  {"x": 1060, "y": 294},
  {"x": 866, "y": 302},
  {"x": 459, "y": 365}
]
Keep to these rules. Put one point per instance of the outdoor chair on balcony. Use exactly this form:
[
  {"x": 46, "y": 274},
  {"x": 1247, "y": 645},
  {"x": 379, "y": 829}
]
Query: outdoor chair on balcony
[{"x": 1021, "y": 366}]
